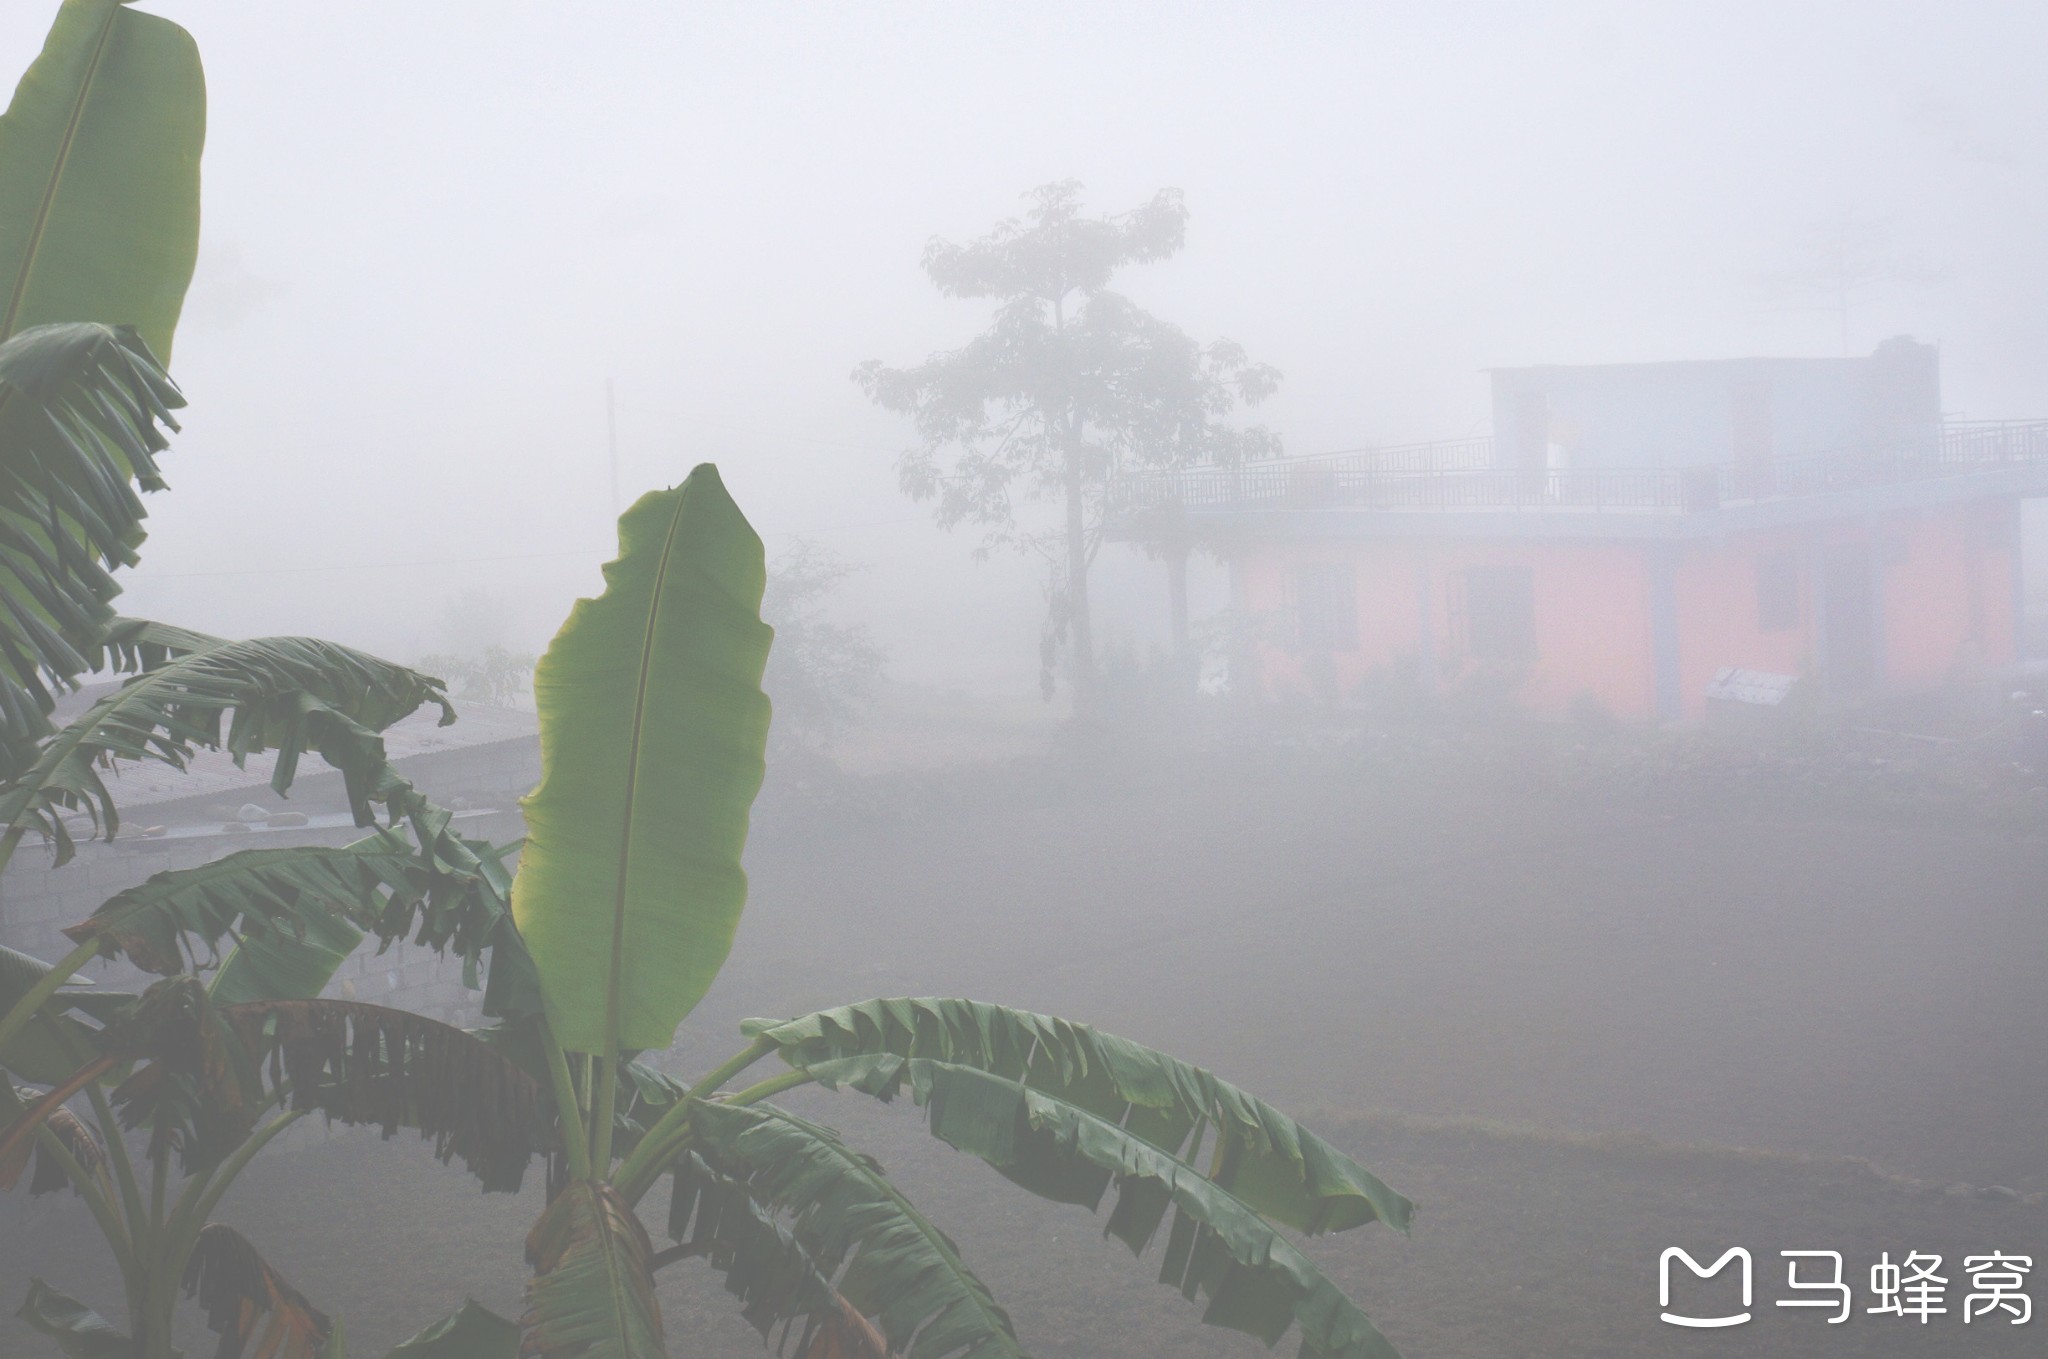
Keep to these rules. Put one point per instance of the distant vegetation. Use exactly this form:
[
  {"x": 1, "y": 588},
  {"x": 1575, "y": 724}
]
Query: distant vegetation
[{"x": 821, "y": 674}]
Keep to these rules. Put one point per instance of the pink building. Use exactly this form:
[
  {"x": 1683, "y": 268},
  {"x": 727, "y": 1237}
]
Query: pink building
[{"x": 1629, "y": 532}]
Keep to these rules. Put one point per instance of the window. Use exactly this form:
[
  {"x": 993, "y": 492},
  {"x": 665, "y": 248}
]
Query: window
[
  {"x": 1500, "y": 613},
  {"x": 1777, "y": 591},
  {"x": 1326, "y": 606}
]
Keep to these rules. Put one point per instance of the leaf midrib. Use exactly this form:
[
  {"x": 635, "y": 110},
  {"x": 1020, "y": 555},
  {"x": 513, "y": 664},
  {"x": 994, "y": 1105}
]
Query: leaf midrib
[
  {"x": 613, "y": 1001},
  {"x": 35, "y": 238}
]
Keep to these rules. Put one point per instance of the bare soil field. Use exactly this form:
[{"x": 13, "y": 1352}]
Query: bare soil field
[{"x": 1577, "y": 1027}]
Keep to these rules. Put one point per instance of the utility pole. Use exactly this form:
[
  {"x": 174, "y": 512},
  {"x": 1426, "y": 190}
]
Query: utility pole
[{"x": 611, "y": 439}]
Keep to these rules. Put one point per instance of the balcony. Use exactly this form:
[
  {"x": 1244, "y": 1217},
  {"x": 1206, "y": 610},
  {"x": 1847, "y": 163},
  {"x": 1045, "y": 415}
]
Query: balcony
[{"x": 1996, "y": 458}]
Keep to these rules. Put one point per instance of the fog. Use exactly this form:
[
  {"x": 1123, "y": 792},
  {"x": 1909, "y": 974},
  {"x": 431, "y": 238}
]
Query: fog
[
  {"x": 1622, "y": 836},
  {"x": 432, "y": 232}
]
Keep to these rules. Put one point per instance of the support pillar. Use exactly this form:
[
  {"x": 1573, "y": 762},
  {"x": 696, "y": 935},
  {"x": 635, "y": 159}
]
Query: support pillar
[
  {"x": 2016, "y": 549},
  {"x": 1177, "y": 597},
  {"x": 1425, "y": 623},
  {"x": 1664, "y": 631},
  {"x": 1879, "y": 669}
]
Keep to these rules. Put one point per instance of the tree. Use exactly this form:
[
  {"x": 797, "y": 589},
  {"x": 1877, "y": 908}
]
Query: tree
[
  {"x": 820, "y": 674},
  {"x": 1844, "y": 263},
  {"x": 626, "y": 899},
  {"x": 493, "y": 674},
  {"x": 1071, "y": 384}
]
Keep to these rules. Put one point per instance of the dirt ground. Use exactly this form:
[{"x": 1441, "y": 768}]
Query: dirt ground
[{"x": 1552, "y": 1019}]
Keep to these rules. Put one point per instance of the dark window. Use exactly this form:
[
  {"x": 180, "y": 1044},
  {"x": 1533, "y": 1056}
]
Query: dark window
[
  {"x": 1500, "y": 613},
  {"x": 1326, "y": 606},
  {"x": 1777, "y": 591}
]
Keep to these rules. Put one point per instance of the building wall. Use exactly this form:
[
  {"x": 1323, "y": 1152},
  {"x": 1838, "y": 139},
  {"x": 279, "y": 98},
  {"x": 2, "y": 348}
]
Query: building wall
[
  {"x": 1945, "y": 610},
  {"x": 1951, "y": 594},
  {"x": 1589, "y": 610},
  {"x": 1718, "y": 612},
  {"x": 1713, "y": 411},
  {"x": 1943, "y": 582}
]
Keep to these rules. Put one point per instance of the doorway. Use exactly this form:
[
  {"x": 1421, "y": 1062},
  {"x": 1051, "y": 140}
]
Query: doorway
[{"x": 1849, "y": 618}]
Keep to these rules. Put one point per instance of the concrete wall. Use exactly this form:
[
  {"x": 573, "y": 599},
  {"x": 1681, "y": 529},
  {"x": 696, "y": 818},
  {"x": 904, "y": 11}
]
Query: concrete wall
[
  {"x": 1591, "y": 606},
  {"x": 1714, "y": 411},
  {"x": 1944, "y": 582}
]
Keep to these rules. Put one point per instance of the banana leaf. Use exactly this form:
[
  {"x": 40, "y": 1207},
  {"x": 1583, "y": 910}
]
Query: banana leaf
[
  {"x": 18, "y": 1136},
  {"x": 358, "y": 1063},
  {"x": 652, "y": 725},
  {"x": 80, "y": 1332},
  {"x": 472, "y": 1332},
  {"x": 79, "y": 1142},
  {"x": 249, "y": 1304},
  {"x": 99, "y": 174},
  {"x": 277, "y": 965},
  {"x": 1268, "y": 1160},
  {"x": 317, "y": 894},
  {"x": 765, "y": 1266},
  {"x": 80, "y": 409},
  {"x": 42, "y": 1051},
  {"x": 592, "y": 1294},
  {"x": 889, "y": 1261},
  {"x": 1220, "y": 1246},
  {"x": 287, "y": 694}
]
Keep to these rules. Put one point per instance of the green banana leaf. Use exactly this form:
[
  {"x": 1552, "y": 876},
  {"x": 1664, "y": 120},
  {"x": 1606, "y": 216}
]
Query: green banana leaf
[
  {"x": 1220, "y": 1246},
  {"x": 99, "y": 175},
  {"x": 42, "y": 1051},
  {"x": 80, "y": 1332},
  {"x": 652, "y": 726},
  {"x": 897, "y": 1267},
  {"x": 287, "y": 694},
  {"x": 80, "y": 408},
  {"x": 472, "y": 1332},
  {"x": 592, "y": 1291},
  {"x": 279, "y": 965},
  {"x": 272, "y": 898},
  {"x": 764, "y": 1264},
  {"x": 1268, "y": 1160}
]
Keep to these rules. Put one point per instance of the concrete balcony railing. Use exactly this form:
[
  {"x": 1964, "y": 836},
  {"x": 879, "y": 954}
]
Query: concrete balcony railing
[{"x": 1468, "y": 475}]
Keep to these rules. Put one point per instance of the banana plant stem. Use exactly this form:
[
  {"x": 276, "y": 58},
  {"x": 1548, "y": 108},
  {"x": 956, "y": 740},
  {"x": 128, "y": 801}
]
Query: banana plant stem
[
  {"x": 774, "y": 1085},
  {"x": 95, "y": 1194},
  {"x": 199, "y": 1211},
  {"x": 110, "y": 1130},
  {"x": 602, "y": 1110},
  {"x": 569, "y": 1112},
  {"x": 655, "y": 1148},
  {"x": 739, "y": 1062}
]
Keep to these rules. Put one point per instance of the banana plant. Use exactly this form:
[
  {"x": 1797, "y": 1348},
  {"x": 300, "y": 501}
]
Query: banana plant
[
  {"x": 628, "y": 894},
  {"x": 99, "y": 228},
  {"x": 211, "y": 1071}
]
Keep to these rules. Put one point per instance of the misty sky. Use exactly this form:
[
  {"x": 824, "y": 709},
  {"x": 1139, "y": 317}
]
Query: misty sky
[{"x": 432, "y": 231}]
